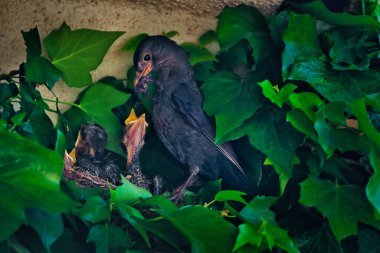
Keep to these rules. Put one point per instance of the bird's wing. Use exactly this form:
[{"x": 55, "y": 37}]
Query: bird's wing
[{"x": 187, "y": 100}]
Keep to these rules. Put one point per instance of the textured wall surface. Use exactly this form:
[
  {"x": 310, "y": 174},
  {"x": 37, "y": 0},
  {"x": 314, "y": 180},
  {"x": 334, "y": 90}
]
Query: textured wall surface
[{"x": 190, "y": 18}]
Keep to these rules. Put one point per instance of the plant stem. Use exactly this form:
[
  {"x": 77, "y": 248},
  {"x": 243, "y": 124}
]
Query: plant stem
[{"x": 61, "y": 102}]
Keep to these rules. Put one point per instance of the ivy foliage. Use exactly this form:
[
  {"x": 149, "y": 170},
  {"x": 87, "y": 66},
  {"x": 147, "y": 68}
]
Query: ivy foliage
[{"x": 297, "y": 94}]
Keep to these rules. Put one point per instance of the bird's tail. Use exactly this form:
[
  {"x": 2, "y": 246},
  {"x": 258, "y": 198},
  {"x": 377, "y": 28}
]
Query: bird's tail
[{"x": 236, "y": 180}]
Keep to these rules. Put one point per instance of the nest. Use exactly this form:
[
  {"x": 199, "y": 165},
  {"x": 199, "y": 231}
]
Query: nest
[{"x": 83, "y": 178}]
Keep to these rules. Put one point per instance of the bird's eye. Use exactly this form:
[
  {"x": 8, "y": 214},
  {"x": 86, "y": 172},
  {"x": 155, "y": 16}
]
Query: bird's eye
[{"x": 147, "y": 57}]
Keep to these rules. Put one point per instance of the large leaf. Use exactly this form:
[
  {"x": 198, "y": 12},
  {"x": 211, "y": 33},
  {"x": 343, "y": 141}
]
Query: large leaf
[
  {"x": 257, "y": 211},
  {"x": 108, "y": 238},
  {"x": 300, "y": 40},
  {"x": 255, "y": 235},
  {"x": 319, "y": 10},
  {"x": 244, "y": 22},
  {"x": 197, "y": 54},
  {"x": 345, "y": 86},
  {"x": 271, "y": 134},
  {"x": 77, "y": 52},
  {"x": 373, "y": 186},
  {"x": 322, "y": 241},
  {"x": 38, "y": 69},
  {"x": 343, "y": 205},
  {"x": 96, "y": 107},
  {"x": 47, "y": 225},
  {"x": 94, "y": 210},
  {"x": 29, "y": 177},
  {"x": 213, "y": 234},
  {"x": 225, "y": 95},
  {"x": 128, "y": 193}
]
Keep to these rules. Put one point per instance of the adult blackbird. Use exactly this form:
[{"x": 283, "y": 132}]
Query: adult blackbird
[{"x": 178, "y": 117}]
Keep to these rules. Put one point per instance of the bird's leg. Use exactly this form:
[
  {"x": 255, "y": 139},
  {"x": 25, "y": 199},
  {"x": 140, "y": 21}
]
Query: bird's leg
[{"x": 178, "y": 193}]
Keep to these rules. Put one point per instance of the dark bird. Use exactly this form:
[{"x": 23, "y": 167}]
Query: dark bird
[
  {"x": 178, "y": 117},
  {"x": 90, "y": 154}
]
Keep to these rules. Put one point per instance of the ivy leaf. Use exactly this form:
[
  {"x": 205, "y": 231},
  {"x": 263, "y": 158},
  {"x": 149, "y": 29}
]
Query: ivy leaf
[
  {"x": 170, "y": 34},
  {"x": 348, "y": 52},
  {"x": 133, "y": 42},
  {"x": 29, "y": 177},
  {"x": 77, "y": 52},
  {"x": 343, "y": 205},
  {"x": 207, "y": 38},
  {"x": 368, "y": 241},
  {"x": 128, "y": 193},
  {"x": 300, "y": 40},
  {"x": 38, "y": 69},
  {"x": 213, "y": 234},
  {"x": 108, "y": 238},
  {"x": 245, "y": 22},
  {"x": 344, "y": 86},
  {"x": 274, "y": 236},
  {"x": 96, "y": 106},
  {"x": 49, "y": 230},
  {"x": 276, "y": 95},
  {"x": 269, "y": 132},
  {"x": 257, "y": 210},
  {"x": 225, "y": 95},
  {"x": 197, "y": 53},
  {"x": 131, "y": 215},
  {"x": 373, "y": 189},
  {"x": 322, "y": 241},
  {"x": 94, "y": 210},
  {"x": 320, "y": 11},
  {"x": 229, "y": 195}
]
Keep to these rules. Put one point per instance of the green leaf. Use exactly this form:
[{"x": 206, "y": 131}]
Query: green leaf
[
  {"x": 47, "y": 225},
  {"x": 302, "y": 123},
  {"x": 18, "y": 119},
  {"x": 29, "y": 177},
  {"x": 257, "y": 210},
  {"x": 197, "y": 53},
  {"x": 207, "y": 38},
  {"x": 332, "y": 137},
  {"x": 94, "y": 210},
  {"x": 307, "y": 102},
  {"x": 213, "y": 234},
  {"x": 133, "y": 42},
  {"x": 279, "y": 97},
  {"x": 38, "y": 69},
  {"x": 272, "y": 135},
  {"x": 300, "y": 40},
  {"x": 320, "y": 11},
  {"x": 343, "y": 205},
  {"x": 170, "y": 34},
  {"x": 128, "y": 193},
  {"x": 96, "y": 106},
  {"x": 77, "y": 52},
  {"x": 225, "y": 95},
  {"x": 7, "y": 90},
  {"x": 345, "y": 86},
  {"x": 60, "y": 144},
  {"x": 229, "y": 195},
  {"x": 108, "y": 238},
  {"x": 322, "y": 241},
  {"x": 373, "y": 189},
  {"x": 131, "y": 214},
  {"x": 368, "y": 241},
  {"x": 244, "y": 22},
  {"x": 274, "y": 237},
  {"x": 359, "y": 110},
  {"x": 349, "y": 52}
]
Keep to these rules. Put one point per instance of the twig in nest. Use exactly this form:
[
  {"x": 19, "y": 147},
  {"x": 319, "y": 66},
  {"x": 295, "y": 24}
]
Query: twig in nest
[{"x": 83, "y": 179}]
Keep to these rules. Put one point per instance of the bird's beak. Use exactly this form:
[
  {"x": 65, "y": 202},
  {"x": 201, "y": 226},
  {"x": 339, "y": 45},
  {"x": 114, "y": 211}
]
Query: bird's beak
[
  {"x": 134, "y": 133},
  {"x": 141, "y": 75}
]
